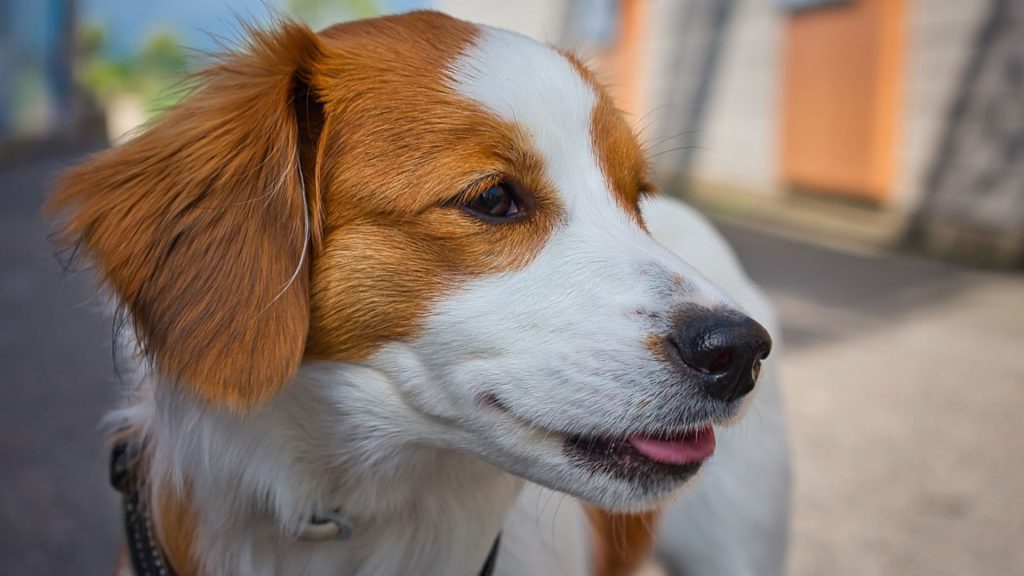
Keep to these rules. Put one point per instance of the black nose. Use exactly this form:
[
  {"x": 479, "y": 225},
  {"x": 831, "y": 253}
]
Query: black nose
[{"x": 725, "y": 348}]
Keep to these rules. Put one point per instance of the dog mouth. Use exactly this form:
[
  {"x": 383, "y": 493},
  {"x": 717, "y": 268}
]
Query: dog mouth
[
  {"x": 638, "y": 458},
  {"x": 642, "y": 458}
]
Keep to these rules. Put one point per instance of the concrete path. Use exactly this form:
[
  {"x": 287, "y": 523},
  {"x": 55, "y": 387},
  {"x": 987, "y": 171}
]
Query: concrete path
[
  {"x": 57, "y": 513},
  {"x": 904, "y": 380}
]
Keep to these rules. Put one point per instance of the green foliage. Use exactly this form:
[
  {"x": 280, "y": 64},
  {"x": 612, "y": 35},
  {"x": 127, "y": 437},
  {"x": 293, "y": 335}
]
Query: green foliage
[
  {"x": 321, "y": 13},
  {"x": 154, "y": 72},
  {"x": 151, "y": 74}
]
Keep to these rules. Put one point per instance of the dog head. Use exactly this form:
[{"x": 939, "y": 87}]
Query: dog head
[{"x": 453, "y": 206}]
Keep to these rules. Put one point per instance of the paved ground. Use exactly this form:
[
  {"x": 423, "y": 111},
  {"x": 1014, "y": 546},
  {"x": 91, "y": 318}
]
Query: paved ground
[
  {"x": 57, "y": 515},
  {"x": 904, "y": 380}
]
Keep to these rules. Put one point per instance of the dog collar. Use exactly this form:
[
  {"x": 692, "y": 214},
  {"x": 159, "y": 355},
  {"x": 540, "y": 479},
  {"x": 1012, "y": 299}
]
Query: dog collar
[{"x": 145, "y": 552}]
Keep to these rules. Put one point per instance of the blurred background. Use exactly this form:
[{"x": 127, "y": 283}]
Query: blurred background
[{"x": 865, "y": 158}]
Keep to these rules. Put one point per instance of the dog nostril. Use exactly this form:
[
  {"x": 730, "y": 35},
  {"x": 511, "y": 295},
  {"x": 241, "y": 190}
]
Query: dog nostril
[{"x": 719, "y": 364}]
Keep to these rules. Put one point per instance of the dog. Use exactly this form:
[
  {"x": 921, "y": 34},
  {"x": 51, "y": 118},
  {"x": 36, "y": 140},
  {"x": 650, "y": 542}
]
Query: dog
[{"x": 394, "y": 306}]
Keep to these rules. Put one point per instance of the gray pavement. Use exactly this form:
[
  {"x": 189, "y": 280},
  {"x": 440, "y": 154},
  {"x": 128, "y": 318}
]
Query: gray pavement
[
  {"x": 903, "y": 380},
  {"x": 57, "y": 515}
]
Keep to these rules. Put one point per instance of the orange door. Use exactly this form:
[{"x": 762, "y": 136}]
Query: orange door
[{"x": 841, "y": 89}]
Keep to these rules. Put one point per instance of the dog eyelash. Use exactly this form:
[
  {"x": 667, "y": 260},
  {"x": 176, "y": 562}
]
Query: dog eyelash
[{"x": 495, "y": 200}]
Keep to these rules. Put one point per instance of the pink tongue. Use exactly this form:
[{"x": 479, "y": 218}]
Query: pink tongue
[{"x": 693, "y": 447}]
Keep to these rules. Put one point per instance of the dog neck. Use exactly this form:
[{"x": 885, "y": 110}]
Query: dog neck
[{"x": 233, "y": 492}]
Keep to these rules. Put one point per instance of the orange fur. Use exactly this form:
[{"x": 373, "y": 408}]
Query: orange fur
[
  {"x": 177, "y": 529},
  {"x": 199, "y": 225},
  {"x": 622, "y": 542},
  {"x": 618, "y": 149},
  {"x": 621, "y": 157}
]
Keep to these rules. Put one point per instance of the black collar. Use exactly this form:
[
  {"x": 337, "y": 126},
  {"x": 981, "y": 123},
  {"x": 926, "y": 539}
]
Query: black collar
[{"x": 144, "y": 550}]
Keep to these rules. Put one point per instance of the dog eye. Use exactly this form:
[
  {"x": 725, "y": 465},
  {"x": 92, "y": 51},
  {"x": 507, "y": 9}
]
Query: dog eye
[{"x": 498, "y": 202}]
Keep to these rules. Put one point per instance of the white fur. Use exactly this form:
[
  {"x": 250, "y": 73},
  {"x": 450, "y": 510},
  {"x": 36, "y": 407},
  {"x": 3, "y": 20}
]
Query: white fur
[
  {"x": 337, "y": 437},
  {"x": 403, "y": 445}
]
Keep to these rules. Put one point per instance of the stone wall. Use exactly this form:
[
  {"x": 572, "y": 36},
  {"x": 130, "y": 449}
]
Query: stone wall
[
  {"x": 971, "y": 201},
  {"x": 712, "y": 98}
]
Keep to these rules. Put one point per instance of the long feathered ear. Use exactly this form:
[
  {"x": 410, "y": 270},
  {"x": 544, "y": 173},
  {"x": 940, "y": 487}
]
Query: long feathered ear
[{"x": 201, "y": 225}]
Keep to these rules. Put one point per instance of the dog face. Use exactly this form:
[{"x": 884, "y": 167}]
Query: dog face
[{"x": 453, "y": 206}]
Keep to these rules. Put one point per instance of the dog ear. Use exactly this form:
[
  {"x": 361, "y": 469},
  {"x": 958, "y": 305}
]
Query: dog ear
[{"x": 202, "y": 224}]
